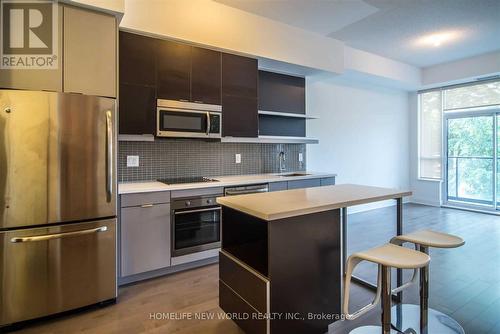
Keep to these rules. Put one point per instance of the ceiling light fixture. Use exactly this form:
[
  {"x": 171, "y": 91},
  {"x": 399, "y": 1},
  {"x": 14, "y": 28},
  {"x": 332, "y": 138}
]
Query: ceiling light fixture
[{"x": 437, "y": 39}]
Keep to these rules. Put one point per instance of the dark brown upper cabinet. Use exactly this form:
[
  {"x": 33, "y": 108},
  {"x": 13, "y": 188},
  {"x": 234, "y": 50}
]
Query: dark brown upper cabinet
[
  {"x": 282, "y": 93},
  {"x": 137, "y": 94},
  {"x": 239, "y": 116},
  {"x": 239, "y": 76},
  {"x": 137, "y": 109},
  {"x": 174, "y": 71},
  {"x": 205, "y": 76},
  {"x": 137, "y": 59},
  {"x": 187, "y": 73},
  {"x": 239, "y": 96}
]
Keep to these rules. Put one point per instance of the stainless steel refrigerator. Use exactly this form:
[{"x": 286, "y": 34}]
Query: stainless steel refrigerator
[{"x": 57, "y": 203}]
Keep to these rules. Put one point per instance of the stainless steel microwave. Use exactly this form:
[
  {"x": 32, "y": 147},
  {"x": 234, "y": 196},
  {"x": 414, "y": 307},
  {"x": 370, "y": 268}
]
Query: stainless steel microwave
[{"x": 188, "y": 120}]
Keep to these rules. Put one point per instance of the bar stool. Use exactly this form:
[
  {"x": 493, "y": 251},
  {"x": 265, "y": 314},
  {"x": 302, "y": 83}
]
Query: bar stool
[
  {"x": 420, "y": 318},
  {"x": 386, "y": 257}
]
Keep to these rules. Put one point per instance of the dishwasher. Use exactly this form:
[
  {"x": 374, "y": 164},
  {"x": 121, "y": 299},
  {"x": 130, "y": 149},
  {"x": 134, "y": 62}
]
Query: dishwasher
[{"x": 250, "y": 189}]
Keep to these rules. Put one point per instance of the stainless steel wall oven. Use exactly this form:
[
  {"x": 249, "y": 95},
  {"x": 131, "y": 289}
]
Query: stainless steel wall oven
[{"x": 196, "y": 225}]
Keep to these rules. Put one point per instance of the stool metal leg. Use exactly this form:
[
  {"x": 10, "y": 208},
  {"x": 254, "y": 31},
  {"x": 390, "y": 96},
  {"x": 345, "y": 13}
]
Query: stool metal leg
[
  {"x": 399, "y": 231},
  {"x": 424, "y": 295},
  {"x": 386, "y": 300},
  {"x": 419, "y": 319}
]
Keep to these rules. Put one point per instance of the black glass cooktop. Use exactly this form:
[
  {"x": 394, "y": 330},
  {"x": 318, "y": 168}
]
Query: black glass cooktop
[{"x": 194, "y": 179}]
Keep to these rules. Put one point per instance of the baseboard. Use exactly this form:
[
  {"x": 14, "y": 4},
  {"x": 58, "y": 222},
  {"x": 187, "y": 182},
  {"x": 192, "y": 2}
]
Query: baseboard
[
  {"x": 165, "y": 271},
  {"x": 424, "y": 202}
]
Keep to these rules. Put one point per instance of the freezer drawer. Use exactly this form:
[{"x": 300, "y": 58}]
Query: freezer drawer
[{"x": 52, "y": 269}]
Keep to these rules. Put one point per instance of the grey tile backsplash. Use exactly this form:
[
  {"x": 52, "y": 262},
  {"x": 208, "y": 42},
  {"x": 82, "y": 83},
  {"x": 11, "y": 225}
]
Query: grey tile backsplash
[{"x": 165, "y": 158}]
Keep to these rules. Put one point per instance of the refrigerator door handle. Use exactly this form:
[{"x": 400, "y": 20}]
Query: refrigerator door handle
[
  {"x": 109, "y": 155},
  {"x": 58, "y": 235}
]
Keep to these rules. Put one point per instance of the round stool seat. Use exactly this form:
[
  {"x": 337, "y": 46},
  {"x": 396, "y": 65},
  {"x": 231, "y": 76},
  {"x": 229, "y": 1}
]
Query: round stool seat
[
  {"x": 431, "y": 238},
  {"x": 394, "y": 256}
]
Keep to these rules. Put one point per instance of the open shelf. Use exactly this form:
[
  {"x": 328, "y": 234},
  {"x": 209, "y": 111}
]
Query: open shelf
[{"x": 285, "y": 114}]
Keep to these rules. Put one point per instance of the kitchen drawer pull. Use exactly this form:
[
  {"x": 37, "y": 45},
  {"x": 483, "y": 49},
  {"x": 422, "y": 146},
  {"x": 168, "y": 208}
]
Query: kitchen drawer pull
[
  {"x": 58, "y": 235},
  {"x": 197, "y": 101},
  {"x": 147, "y": 205}
]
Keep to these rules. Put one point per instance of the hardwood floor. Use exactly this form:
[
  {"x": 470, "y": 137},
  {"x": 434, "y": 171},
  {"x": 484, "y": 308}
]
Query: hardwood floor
[{"x": 465, "y": 282}]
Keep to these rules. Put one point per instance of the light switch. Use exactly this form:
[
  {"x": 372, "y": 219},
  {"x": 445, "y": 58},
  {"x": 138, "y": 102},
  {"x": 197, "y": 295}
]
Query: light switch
[
  {"x": 132, "y": 161},
  {"x": 237, "y": 158},
  {"x": 301, "y": 157}
]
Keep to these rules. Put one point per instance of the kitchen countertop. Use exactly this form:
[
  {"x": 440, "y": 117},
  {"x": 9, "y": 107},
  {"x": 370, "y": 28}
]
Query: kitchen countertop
[
  {"x": 223, "y": 181},
  {"x": 290, "y": 203}
]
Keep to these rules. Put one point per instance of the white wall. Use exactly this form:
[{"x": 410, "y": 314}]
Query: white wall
[{"x": 363, "y": 133}]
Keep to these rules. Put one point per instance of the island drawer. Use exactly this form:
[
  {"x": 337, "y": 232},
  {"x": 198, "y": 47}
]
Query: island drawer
[
  {"x": 243, "y": 280},
  {"x": 247, "y": 318}
]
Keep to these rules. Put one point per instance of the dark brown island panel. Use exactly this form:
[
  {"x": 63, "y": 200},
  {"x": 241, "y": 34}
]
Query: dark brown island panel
[
  {"x": 283, "y": 275},
  {"x": 281, "y": 262}
]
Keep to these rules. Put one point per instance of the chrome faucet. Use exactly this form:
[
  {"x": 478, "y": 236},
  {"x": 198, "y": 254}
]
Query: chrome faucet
[{"x": 282, "y": 158}]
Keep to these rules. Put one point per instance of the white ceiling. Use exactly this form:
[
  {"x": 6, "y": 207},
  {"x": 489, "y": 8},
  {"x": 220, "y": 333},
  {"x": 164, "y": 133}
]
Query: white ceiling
[
  {"x": 321, "y": 16},
  {"x": 392, "y": 28}
]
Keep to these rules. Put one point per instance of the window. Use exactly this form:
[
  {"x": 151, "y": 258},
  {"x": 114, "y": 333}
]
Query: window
[
  {"x": 433, "y": 104},
  {"x": 430, "y": 135},
  {"x": 469, "y": 163}
]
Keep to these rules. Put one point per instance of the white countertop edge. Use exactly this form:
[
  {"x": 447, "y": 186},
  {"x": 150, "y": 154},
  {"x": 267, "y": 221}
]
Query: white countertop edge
[
  {"x": 304, "y": 211},
  {"x": 224, "y": 181}
]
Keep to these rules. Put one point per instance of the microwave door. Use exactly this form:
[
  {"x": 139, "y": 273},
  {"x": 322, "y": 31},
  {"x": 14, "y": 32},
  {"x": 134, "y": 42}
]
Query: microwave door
[{"x": 188, "y": 124}]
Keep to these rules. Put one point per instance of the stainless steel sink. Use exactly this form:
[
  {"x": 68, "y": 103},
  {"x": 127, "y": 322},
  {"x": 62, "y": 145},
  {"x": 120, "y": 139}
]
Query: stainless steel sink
[{"x": 294, "y": 174}]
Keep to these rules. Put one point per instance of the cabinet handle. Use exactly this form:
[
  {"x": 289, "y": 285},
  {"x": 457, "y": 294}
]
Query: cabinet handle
[
  {"x": 147, "y": 206},
  {"x": 183, "y": 100},
  {"x": 197, "y": 101}
]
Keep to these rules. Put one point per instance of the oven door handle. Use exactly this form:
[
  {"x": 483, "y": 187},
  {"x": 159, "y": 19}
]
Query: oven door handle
[{"x": 218, "y": 208}]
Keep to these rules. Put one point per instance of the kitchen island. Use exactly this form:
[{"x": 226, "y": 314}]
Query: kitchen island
[{"x": 281, "y": 263}]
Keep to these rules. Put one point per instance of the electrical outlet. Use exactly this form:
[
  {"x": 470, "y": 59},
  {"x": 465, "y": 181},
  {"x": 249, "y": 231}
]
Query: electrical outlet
[
  {"x": 301, "y": 157},
  {"x": 237, "y": 158},
  {"x": 132, "y": 161}
]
